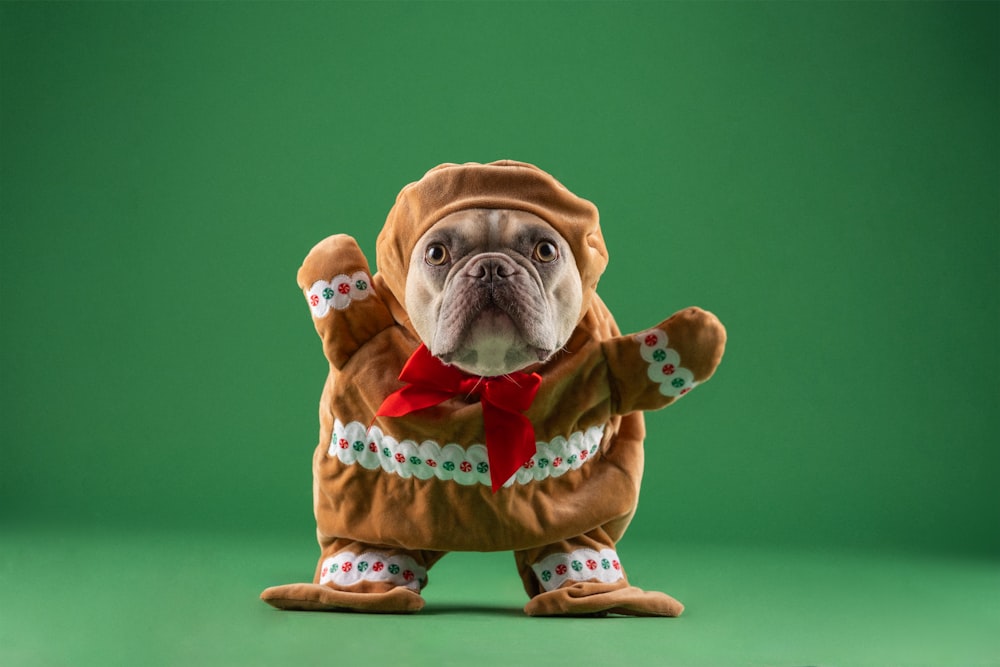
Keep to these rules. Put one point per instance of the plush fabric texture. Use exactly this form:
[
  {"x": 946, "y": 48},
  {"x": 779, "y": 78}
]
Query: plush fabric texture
[{"x": 407, "y": 490}]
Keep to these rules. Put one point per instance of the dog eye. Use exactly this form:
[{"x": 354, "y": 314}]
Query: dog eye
[
  {"x": 436, "y": 254},
  {"x": 546, "y": 252}
]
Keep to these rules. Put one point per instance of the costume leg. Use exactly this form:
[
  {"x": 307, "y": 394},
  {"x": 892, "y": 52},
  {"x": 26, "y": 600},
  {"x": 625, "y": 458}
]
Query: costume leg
[
  {"x": 584, "y": 577},
  {"x": 353, "y": 576}
]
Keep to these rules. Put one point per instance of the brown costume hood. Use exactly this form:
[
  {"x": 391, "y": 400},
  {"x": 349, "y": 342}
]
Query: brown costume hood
[{"x": 506, "y": 184}]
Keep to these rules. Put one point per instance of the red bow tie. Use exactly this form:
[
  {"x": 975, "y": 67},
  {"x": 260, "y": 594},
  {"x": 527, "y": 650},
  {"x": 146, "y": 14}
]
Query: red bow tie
[{"x": 510, "y": 437}]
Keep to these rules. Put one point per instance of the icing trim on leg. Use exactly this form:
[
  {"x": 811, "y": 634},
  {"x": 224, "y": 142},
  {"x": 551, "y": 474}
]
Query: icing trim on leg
[
  {"x": 580, "y": 565},
  {"x": 348, "y": 568}
]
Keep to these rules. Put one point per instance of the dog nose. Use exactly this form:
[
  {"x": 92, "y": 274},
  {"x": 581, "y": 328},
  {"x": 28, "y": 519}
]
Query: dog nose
[{"x": 489, "y": 269}]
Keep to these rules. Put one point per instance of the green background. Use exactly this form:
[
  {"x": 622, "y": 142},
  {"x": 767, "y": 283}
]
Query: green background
[{"x": 824, "y": 177}]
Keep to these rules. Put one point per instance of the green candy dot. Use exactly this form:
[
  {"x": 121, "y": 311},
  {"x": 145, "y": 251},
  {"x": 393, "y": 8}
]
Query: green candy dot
[
  {"x": 677, "y": 382},
  {"x": 659, "y": 355}
]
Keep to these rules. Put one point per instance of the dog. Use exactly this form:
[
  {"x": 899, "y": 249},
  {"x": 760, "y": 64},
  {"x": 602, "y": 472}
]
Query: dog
[{"x": 480, "y": 397}]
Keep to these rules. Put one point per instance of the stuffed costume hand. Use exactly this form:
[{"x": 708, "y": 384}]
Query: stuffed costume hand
[{"x": 338, "y": 287}]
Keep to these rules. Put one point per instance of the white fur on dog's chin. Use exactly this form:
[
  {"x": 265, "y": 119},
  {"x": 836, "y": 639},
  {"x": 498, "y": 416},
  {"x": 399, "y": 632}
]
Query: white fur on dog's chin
[{"x": 493, "y": 347}]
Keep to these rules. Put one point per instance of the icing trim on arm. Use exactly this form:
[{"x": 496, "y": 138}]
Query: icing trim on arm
[
  {"x": 338, "y": 293},
  {"x": 664, "y": 364}
]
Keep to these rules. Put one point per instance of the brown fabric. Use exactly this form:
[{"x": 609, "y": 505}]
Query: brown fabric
[
  {"x": 313, "y": 597},
  {"x": 697, "y": 334},
  {"x": 342, "y": 335},
  {"x": 592, "y": 598},
  {"x": 599, "y": 379}
]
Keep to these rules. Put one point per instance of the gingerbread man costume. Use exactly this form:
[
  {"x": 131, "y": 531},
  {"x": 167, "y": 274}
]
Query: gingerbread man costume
[{"x": 393, "y": 494}]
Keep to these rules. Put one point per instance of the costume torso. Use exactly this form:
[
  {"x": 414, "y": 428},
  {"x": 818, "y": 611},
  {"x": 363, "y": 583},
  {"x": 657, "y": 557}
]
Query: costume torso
[{"x": 422, "y": 481}]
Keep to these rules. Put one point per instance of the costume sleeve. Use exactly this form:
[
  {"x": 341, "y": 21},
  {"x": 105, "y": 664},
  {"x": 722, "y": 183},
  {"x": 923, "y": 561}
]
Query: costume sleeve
[
  {"x": 337, "y": 284},
  {"x": 653, "y": 369}
]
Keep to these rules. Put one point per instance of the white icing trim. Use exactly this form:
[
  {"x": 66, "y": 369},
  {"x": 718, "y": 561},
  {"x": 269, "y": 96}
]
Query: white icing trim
[
  {"x": 338, "y": 293},
  {"x": 664, "y": 364},
  {"x": 372, "y": 449},
  {"x": 581, "y": 565},
  {"x": 347, "y": 568}
]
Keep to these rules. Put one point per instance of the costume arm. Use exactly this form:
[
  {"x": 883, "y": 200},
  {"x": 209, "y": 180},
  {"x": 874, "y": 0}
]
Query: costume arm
[
  {"x": 653, "y": 369},
  {"x": 337, "y": 284}
]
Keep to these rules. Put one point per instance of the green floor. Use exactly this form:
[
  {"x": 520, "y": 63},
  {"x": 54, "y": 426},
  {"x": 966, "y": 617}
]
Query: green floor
[{"x": 128, "y": 598}]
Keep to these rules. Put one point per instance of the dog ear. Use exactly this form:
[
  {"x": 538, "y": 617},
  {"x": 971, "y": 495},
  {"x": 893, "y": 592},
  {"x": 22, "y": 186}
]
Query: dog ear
[{"x": 337, "y": 284}]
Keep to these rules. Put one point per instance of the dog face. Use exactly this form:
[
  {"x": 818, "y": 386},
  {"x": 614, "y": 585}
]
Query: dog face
[{"x": 493, "y": 291}]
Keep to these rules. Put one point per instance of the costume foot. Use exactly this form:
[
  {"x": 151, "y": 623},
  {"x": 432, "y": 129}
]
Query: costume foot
[
  {"x": 313, "y": 597},
  {"x": 599, "y": 599}
]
